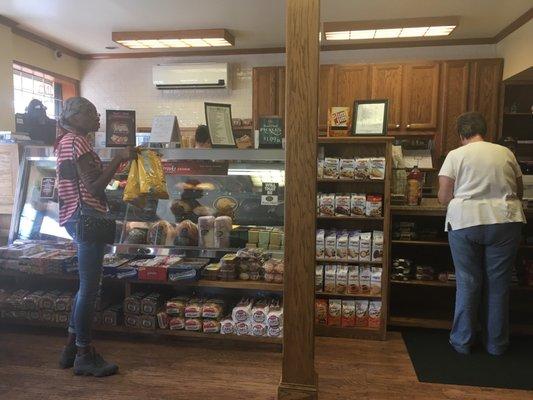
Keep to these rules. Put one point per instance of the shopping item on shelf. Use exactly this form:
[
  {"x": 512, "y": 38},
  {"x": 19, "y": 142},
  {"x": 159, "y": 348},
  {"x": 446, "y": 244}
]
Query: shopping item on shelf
[
  {"x": 151, "y": 176},
  {"x": 348, "y": 313},
  {"x": 321, "y": 311},
  {"x": 361, "y": 313},
  {"x": 334, "y": 312},
  {"x": 206, "y": 231},
  {"x": 374, "y": 314}
]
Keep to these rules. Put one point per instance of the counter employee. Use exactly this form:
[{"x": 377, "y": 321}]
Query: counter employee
[
  {"x": 37, "y": 124},
  {"x": 202, "y": 140},
  {"x": 482, "y": 185}
]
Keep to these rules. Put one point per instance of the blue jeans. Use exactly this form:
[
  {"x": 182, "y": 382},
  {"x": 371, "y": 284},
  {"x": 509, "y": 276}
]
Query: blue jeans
[
  {"x": 90, "y": 259},
  {"x": 483, "y": 257}
]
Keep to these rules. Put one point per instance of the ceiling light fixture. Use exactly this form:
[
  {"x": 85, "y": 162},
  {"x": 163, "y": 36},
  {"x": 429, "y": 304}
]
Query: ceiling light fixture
[
  {"x": 174, "y": 39},
  {"x": 390, "y": 29}
]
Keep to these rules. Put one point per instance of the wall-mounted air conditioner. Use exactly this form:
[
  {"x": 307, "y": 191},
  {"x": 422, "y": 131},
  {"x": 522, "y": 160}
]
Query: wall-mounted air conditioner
[{"x": 191, "y": 76}]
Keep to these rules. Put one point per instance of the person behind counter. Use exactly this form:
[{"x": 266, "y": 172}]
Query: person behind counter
[
  {"x": 201, "y": 138},
  {"x": 37, "y": 124},
  {"x": 81, "y": 183},
  {"x": 482, "y": 185}
]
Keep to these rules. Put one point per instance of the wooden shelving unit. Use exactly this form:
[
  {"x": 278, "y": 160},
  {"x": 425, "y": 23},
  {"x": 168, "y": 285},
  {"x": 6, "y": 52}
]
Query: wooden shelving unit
[{"x": 353, "y": 147}]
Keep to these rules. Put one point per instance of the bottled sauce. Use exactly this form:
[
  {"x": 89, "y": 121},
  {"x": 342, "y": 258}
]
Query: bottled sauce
[{"x": 414, "y": 187}]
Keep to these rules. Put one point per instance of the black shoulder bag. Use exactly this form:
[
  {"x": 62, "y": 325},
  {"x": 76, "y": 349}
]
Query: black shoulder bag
[{"x": 92, "y": 226}]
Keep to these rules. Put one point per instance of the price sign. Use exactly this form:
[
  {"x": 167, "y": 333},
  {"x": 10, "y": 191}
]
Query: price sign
[
  {"x": 270, "y": 132},
  {"x": 269, "y": 195}
]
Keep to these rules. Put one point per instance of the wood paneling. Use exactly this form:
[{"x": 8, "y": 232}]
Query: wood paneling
[
  {"x": 485, "y": 82},
  {"x": 454, "y": 102},
  {"x": 298, "y": 379},
  {"x": 281, "y": 92},
  {"x": 353, "y": 83},
  {"x": 420, "y": 96},
  {"x": 327, "y": 93},
  {"x": 387, "y": 84},
  {"x": 266, "y": 92}
]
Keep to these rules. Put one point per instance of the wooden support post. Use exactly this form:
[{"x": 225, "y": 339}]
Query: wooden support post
[{"x": 299, "y": 380}]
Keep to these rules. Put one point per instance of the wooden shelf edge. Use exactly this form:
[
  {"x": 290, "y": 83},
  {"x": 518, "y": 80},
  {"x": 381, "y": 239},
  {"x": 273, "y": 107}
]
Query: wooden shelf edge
[
  {"x": 353, "y": 139},
  {"x": 325, "y": 261},
  {"x": 349, "y": 333},
  {"x": 349, "y": 296},
  {"x": 350, "y": 218},
  {"x": 326, "y": 180}
]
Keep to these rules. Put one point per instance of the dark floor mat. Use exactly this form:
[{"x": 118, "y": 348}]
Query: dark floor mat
[{"x": 435, "y": 361}]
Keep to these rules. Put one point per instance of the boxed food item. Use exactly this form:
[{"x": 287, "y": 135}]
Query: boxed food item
[
  {"x": 365, "y": 241},
  {"x": 227, "y": 326},
  {"x": 341, "y": 279},
  {"x": 150, "y": 304},
  {"x": 193, "y": 324},
  {"x": 330, "y": 246},
  {"x": 132, "y": 304},
  {"x": 361, "y": 313},
  {"x": 157, "y": 273},
  {"x": 377, "y": 246},
  {"x": 222, "y": 226},
  {"x": 348, "y": 313},
  {"x": 327, "y": 204},
  {"x": 353, "y": 280},
  {"x": 319, "y": 278},
  {"x": 338, "y": 121},
  {"x": 342, "y": 205},
  {"x": 210, "y": 326},
  {"x": 330, "y": 272},
  {"x": 132, "y": 321},
  {"x": 206, "y": 231},
  {"x": 211, "y": 272},
  {"x": 334, "y": 312},
  {"x": 342, "y": 246},
  {"x": 112, "y": 316},
  {"x": 357, "y": 204},
  {"x": 331, "y": 168},
  {"x": 374, "y": 314},
  {"x": 176, "y": 323},
  {"x": 162, "y": 320},
  {"x": 320, "y": 243},
  {"x": 377, "y": 168},
  {"x": 375, "y": 280},
  {"x": 148, "y": 322},
  {"x": 365, "y": 276},
  {"x": 362, "y": 168},
  {"x": 374, "y": 205},
  {"x": 347, "y": 168},
  {"x": 353, "y": 246},
  {"x": 321, "y": 311}
]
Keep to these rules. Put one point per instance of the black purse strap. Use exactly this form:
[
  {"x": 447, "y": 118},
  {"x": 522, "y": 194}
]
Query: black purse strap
[{"x": 78, "y": 179}]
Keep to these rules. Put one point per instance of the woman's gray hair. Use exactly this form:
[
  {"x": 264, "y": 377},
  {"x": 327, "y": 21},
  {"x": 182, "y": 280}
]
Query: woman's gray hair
[
  {"x": 471, "y": 124},
  {"x": 71, "y": 107}
]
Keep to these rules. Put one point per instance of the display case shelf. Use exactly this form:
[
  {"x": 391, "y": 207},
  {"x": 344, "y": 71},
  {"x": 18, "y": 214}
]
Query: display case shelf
[
  {"x": 348, "y": 296},
  {"x": 351, "y": 218},
  {"x": 352, "y": 181}
]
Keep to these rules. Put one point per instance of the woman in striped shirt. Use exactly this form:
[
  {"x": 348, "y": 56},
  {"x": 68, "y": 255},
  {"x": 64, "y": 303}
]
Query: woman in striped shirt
[{"x": 82, "y": 180}]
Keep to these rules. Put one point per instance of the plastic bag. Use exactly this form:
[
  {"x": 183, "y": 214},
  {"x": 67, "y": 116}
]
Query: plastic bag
[
  {"x": 132, "y": 192},
  {"x": 151, "y": 176}
]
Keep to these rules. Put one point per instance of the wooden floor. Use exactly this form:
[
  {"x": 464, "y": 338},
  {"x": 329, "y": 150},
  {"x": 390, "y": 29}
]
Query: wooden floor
[{"x": 348, "y": 369}]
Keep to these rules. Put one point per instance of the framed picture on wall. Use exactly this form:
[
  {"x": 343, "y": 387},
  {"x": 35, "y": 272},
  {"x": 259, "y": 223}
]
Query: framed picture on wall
[
  {"x": 218, "y": 119},
  {"x": 369, "y": 117},
  {"x": 120, "y": 128}
]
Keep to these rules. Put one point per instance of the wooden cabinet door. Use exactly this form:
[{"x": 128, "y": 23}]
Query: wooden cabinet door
[
  {"x": 485, "y": 81},
  {"x": 454, "y": 102},
  {"x": 265, "y": 92},
  {"x": 420, "y": 96},
  {"x": 353, "y": 83},
  {"x": 327, "y": 94},
  {"x": 281, "y": 92},
  {"x": 387, "y": 84}
]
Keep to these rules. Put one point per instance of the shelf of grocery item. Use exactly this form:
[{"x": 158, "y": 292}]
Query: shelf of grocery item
[
  {"x": 357, "y": 332},
  {"x": 420, "y": 242},
  {"x": 351, "y": 218},
  {"x": 331, "y": 180},
  {"x": 330, "y": 261},
  {"x": 349, "y": 296},
  {"x": 154, "y": 250},
  {"x": 235, "y": 284},
  {"x": 355, "y": 140},
  {"x": 428, "y": 211},
  {"x": 154, "y": 332}
]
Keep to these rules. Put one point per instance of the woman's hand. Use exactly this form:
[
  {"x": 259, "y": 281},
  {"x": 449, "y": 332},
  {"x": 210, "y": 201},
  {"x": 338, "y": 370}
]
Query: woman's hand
[{"x": 127, "y": 154}]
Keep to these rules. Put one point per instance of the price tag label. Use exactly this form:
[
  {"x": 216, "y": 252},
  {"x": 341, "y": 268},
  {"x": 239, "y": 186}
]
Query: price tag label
[{"x": 269, "y": 195}]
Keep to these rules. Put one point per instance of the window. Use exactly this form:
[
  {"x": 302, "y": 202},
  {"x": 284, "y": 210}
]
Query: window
[{"x": 30, "y": 84}]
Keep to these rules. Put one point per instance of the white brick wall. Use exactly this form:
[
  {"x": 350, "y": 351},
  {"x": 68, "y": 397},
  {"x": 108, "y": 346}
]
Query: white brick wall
[{"x": 127, "y": 83}]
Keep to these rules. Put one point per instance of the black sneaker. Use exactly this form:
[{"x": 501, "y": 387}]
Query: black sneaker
[
  {"x": 92, "y": 363},
  {"x": 68, "y": 355}
]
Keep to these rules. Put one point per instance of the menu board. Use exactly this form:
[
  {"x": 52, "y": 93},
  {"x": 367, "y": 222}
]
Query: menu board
[
  {"x": 120, "y": 128},
  {"x": 271, "y": 132}
]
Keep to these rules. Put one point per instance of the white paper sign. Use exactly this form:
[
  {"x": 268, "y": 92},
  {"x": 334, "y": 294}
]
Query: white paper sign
[{"x": 165, "y": 129}]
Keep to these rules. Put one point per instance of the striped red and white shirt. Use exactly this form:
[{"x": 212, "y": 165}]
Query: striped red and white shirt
[{"x": 71, "y": 148}]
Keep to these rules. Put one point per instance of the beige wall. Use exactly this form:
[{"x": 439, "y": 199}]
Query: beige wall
[
  {"x": 517, "y": 50},
  {"x": 127, "y": 83},
  {"x": 7, "y": 118},
  {"x": 34, "y": 54}
]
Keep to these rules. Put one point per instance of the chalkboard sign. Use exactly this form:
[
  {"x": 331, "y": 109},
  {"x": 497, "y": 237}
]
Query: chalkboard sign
[{"x": 270, "y": 132}]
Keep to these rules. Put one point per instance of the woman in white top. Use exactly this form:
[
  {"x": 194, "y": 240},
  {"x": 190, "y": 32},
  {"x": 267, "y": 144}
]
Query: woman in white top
[{"x": 481, "y": 183}]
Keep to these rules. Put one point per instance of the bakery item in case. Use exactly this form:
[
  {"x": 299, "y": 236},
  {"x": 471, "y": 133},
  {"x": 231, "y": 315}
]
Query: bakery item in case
[{"x": 187, "y": 234}]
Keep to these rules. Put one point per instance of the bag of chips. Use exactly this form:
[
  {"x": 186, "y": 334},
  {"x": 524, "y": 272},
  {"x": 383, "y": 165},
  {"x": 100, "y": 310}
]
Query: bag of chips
[{"x": 151, "y": 176}]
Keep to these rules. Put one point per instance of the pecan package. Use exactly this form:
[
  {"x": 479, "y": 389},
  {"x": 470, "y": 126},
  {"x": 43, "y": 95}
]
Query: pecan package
[
  {"x": 357, "y": 204},
  {"x": 347, "y": 168},
  {"x": 330, "y": 245},
  {"x": 342, "y": 205},
  {"x": 334, "y": 312},
  {"x": 377, "y": 246},
  {"x": 348, "y": 313},
  {"x": 341, "y": 279},
  {"x": 374, "y": 314},
  {"x": 319, "y": 278},
  {"x": 331, "y": 168},
  {"x": 327, "y": 204},
  {"x": 353, "y": 246},
  {"x": 375, "y": 281},
  {"x": 365, "y": 246},
  {"x": 361, "y": 312},
  {"x": 320, "y": 244},
  {"x": 321, "y": 311},
  {"x": 353, "y": 280},
  {"x": 365, "y": 275},
  {"x": 330, "y": 273},
  {"x": 342, "y": 246}
]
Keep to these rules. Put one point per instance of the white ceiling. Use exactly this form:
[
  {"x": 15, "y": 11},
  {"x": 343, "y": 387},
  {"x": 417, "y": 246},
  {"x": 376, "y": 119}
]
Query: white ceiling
[{"x": 86, "y": 26}]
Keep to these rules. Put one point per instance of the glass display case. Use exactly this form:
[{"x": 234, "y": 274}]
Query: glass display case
[{"x": 245, "y": 185}]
